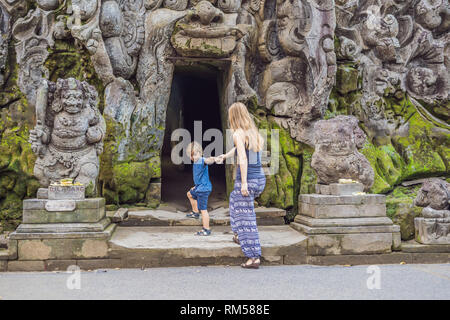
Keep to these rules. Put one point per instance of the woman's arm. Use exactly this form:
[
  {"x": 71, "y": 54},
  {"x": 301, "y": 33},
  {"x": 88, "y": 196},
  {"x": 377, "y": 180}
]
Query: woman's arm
[
  {"x": 229, "y": 153},
  {"x": 242, "y": 160}
]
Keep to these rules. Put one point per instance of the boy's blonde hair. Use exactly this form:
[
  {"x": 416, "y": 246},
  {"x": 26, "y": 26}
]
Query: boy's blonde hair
[
  {"x": 240, "y": 118},
  {"x": 194, "y": 148}
]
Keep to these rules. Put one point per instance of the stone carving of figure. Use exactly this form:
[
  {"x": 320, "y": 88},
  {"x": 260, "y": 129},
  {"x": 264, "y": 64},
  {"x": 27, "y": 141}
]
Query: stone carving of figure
[
  {"x": 69, "y": 132},
  {"x": 434, "y": 227},
  {"x": 298, "y": 43},
  {"x": 336, "y": 154}
]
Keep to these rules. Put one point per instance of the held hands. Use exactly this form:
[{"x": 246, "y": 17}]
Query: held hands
[{"x": 219, "y": 159}]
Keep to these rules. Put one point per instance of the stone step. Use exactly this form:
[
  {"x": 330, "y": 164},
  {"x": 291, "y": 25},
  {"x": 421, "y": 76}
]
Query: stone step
[
  {"x": 218, "y": 217},
  {"x": 142, "y": 247}
]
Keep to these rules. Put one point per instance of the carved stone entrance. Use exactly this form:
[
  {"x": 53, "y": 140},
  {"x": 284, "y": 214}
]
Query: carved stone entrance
[{"x": 195, "y": 98}]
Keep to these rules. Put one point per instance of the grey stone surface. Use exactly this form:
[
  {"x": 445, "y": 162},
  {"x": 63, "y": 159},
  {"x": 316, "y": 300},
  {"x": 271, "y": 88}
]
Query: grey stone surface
[
  {"x": 343, "y": 222},
  {"x": 358, "y": 243},
  {"x": 39, "y": 204},
  {"x": 63, "y": 227},
  {"x": 62, "y": 249},
  {"x": 396, "y": 240},
  {"x": 416, "y": 247},
  {"x": 87, "y": 210},
  {"x": 106, "y": 234},
  {"x": 42, "y": 193},
  {"x": 343, "y": 230},
  {"x": 59, "y": 265},
  {"x": 342, "y": 211},
  {"x": 158, "y": 246},
  {"x": 60, "y": 205},
  {"x": 339, "y": 189},
  {"x": 69, "y": 132},
  {"x": 120, "y": 215},
  {"x": 79, "y": 215},
  {"x": 319, "y": 199},
  {"x": 15, "y": 266},
  {"x": 220, "y": 216}
]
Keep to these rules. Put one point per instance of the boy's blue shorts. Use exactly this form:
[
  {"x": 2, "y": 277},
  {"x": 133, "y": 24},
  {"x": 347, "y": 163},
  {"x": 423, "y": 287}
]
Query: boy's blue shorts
[{"x": 201, "y": 197}]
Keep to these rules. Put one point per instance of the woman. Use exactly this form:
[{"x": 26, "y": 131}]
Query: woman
[{"x": 249, "y": 184}]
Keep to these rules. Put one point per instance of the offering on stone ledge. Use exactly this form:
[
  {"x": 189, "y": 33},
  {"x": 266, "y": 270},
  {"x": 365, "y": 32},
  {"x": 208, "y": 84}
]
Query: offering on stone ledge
[
  {"x": 345, "y": 181},
  {"x": 67, "y": 182}
]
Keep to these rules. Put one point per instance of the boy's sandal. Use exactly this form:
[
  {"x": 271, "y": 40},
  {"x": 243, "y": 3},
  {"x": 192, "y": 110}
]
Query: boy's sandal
[
  {"x": 204, "y": 232},
  {"x": 253, "y": 265},
  {"x": 236, "y": 239},
  {"x": 193, "y": 214}
]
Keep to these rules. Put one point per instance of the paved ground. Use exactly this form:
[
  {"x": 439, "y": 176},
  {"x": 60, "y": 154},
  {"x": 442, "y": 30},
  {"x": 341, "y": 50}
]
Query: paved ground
[{"x": 278, "y": 282}]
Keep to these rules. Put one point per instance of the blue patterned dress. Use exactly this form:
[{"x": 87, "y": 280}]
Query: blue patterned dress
[{"x": 242, "y": 211}]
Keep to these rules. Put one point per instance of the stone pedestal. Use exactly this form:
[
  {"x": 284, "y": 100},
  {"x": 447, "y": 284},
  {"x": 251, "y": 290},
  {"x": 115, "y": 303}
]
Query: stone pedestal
[
  {"x": 63, "y": 229},
  {"x": 433, "y": 227},
  {"x": 346, "y": 223}
]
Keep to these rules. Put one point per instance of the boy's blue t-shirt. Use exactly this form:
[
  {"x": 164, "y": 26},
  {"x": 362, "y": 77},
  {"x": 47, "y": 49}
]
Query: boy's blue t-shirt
[{"x": 201, "y": 176}]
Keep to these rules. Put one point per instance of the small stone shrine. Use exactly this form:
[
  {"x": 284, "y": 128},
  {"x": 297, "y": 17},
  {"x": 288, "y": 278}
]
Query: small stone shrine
[{"x": 340, "y": 218}]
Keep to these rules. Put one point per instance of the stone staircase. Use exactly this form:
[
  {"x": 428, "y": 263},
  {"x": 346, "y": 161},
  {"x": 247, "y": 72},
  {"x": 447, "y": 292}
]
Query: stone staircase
[
  {"x": 218, "y": 217},
  {"x": 161, "y": 238}
]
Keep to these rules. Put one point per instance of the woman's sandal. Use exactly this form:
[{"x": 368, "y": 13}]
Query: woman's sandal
[
  {"x": 236, "y": 239},
  {"x": 253, "y": 265},
  {"x": 204, "y": 232}
]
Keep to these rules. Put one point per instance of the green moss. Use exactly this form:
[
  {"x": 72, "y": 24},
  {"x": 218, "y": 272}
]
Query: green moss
[
  {"x": 418, "y": 151},
  {"x": 346, "y": 79},
  {"x": 130, "y": 180}
]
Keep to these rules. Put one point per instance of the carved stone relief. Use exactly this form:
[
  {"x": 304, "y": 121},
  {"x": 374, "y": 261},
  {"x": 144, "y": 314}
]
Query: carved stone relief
[
  {"x": 399, "y": 45},
  {"x": 434, "y": 226},
  {"x": 336, "y": 154}
]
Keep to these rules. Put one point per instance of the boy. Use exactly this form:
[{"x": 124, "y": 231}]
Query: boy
[{"x": 198, "y": 195}]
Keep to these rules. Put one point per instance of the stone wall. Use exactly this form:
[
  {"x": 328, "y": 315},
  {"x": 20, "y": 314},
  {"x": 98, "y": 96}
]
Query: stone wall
[{"x": 291, "y": 62}]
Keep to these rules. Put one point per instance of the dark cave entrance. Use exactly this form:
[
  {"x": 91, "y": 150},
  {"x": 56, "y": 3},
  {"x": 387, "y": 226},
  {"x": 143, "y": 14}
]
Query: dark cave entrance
[{"x": 194, "y": 97}]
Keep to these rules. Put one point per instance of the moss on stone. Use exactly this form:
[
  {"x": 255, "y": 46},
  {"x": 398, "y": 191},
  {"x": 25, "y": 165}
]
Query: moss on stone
[
  {"x": 400, "y": 208},
  {"x": 130, "y": 180}
]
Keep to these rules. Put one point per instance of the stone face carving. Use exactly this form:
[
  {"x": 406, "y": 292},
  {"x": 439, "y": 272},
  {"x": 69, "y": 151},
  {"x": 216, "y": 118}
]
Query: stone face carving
[
  {"x": 69, "y": 132},
  {"x": 336, "y": 155},
  {"x": 434, "y": 225}
]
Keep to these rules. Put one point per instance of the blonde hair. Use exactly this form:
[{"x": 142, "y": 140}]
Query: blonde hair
[
  {"x": 240, "y": 118},
  {"x": 194, "y": 148}
]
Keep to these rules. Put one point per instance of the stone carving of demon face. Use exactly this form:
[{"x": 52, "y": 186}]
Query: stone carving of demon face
[
  {"x": 209, "y": 29},
  {"x": 336, "y": 155}
]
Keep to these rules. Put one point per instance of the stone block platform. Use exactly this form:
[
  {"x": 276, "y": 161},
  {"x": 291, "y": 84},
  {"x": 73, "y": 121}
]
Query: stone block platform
[
  {"x": 142, "y": 247},
  {"x": 61, "y": 229},
  {"x": 345, "y": 224}
]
